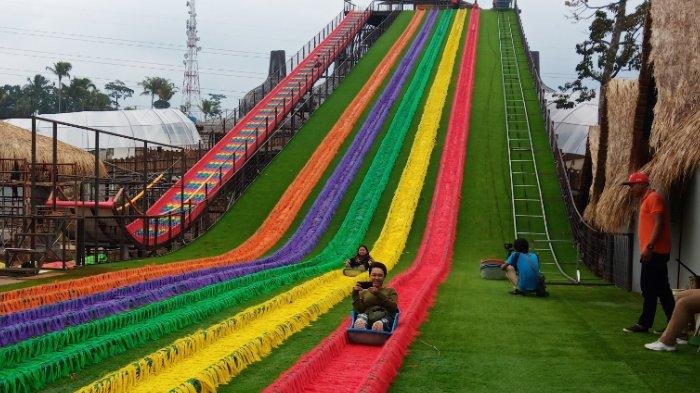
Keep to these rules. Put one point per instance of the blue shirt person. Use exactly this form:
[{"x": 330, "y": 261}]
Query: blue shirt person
[{"x": 522, "y": 268}]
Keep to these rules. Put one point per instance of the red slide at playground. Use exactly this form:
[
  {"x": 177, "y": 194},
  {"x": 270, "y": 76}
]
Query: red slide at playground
[
  {"x": 178, "y": 207},
  {"x": 337, "y": 365}
]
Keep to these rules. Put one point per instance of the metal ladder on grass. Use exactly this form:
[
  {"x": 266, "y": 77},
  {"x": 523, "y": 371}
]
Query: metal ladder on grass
[{"x": 529, "y": 215}]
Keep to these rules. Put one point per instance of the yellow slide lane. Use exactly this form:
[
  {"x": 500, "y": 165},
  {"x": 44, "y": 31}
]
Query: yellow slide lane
[{"x": 215, "y": 355}]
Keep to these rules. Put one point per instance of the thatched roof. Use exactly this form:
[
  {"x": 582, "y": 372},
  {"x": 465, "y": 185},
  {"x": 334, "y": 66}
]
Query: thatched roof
[
  {"x": 674, "y": 142},
  {"x": 17, "y": 144},
  {"x": 678, "y": 157},
  {"x": 675, "y": 39},
  {"x": 614, "y": 207}
]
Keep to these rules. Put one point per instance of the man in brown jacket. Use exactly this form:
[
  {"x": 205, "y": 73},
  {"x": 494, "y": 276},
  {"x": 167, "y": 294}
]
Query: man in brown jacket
[{"x": 377, "y": 305}]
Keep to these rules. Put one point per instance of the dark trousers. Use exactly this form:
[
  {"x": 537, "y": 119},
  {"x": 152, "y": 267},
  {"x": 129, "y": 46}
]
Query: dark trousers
[{"x": 654, "y": 283}]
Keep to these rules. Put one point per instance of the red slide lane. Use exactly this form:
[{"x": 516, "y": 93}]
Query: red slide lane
[{"x": 337, "y": 365}]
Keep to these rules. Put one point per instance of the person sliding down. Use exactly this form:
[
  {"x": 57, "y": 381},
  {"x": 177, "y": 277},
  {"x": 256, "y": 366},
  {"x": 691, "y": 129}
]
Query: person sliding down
[
  {"x": 375, "y": 306},
  {"x": 360, "y": 262}
]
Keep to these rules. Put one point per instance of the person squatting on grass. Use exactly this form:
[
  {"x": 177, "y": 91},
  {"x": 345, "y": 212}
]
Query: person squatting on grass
[
  {"x": 654, "y": 234},
  {"x": 522, "y": 268},
  {"x": 687, "y": 305},
  {"x": 375, "y": 306},
  {"x": 361, "y": 260}
]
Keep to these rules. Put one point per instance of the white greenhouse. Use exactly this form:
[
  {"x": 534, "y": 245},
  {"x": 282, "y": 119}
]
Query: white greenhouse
[{"x": 168, "y": 126}]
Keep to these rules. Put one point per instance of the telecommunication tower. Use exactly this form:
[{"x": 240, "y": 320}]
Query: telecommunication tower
[{"x": 190, "y": 85}]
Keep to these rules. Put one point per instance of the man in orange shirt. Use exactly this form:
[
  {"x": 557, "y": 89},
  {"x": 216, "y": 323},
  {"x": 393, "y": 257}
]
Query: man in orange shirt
[{"x": 654, "y": 231}]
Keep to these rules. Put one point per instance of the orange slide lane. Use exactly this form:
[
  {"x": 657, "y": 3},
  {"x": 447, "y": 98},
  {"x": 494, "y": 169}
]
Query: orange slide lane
[{"x": 268, "y": 234}]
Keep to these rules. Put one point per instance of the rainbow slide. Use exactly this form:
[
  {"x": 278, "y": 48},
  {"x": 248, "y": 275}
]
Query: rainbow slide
[
  {"x": 101, "y": 348},
  {"x": 333, "y": 363},
  {"x": 84, "y": 309},
  {"x": 206, "y": 359},
  {"x": 270, "y": 232}
]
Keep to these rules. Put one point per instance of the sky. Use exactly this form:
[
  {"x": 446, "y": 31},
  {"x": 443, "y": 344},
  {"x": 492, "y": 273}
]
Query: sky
[{"x": 132, "y": 39}]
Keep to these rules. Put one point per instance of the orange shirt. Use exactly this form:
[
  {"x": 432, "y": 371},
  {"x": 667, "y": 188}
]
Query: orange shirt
[{"x": 652, "y": 204}]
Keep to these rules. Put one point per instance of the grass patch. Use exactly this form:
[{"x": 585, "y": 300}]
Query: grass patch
[{"x": 488, "y": 340}]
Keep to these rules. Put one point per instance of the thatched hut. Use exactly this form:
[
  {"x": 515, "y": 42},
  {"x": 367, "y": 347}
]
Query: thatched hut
[
  {"x": 674, "y": 147},
  {"x": 15, "y": 155},
  {"x": 657, "y": 132},
  {"x": 613, "y": 209}
]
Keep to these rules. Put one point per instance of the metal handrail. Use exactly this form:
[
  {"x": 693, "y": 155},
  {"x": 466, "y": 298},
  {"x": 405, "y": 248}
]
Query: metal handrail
[
  {"x": 308, "y": 82},
  {"x": 502, "y": 18},
  {"x": 97, "y": 130}
]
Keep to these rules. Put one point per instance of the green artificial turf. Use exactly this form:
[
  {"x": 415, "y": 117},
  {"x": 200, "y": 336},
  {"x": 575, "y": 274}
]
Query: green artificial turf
[
  {"x": 249, "y": 211},
  {"x": 480, "y": 338}
]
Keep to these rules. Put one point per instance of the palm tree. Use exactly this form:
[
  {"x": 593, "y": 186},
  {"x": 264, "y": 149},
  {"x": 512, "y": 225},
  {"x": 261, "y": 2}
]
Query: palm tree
[
  {"x": 166, "y": 89},
  {"x": 60, "y": 69},
  {"x": 157, "y": 86},
  {"x": 150, "y": 86},
  {"x": 80, "y": 89},
  {"x": 37, "y": 91}
]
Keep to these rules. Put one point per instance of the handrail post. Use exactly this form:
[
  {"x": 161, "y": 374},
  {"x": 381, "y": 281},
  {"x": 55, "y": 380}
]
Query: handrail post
[
  {"x": 54, "y": 158},
  {"x": 145, "y": 176},
  {"x": 182, "y": 193},
  {"x": 96, "y": 192}
]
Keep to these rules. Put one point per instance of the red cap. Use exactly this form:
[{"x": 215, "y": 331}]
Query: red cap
[{"x": 636, "y": 178}]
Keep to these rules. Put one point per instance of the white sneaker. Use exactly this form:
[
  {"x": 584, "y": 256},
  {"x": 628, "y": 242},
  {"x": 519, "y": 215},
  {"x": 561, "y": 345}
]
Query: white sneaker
[
  {"x": 681, "y": 341},
  {"x": 659, "y": 346}
]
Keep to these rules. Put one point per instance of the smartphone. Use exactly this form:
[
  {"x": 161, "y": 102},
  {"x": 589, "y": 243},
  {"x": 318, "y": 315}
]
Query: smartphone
[{"x": 364, "y": 284}]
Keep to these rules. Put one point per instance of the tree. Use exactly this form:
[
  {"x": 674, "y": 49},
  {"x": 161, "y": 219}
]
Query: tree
[
  {"x": 117, "y": 91},
  {"x": 36, "y": 95},
  {"x": 149, "y": 87},
  {"x": 157, "y": 86},
  {"x": 206, "y": 108},
  {"x": 79, "y": 92},
  {"x": 212, "y": 106},
  {"x": 60, "y": 69},
  {"x": 9, "y": 103},
  {"x": 612, "y": 45}
]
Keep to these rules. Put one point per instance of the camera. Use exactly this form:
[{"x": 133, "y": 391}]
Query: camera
[
  {"x": 365, "y": 284},
  {"x": 509, "y": 248}
]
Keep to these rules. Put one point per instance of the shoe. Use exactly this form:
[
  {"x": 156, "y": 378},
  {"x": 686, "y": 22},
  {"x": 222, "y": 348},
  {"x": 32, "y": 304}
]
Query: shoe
[
  {"x": 516, "y": 292},
  {"x": 682, "y": 341},
  {"x": 659, "y": 346},
  {"x": 636, "y": 329}
]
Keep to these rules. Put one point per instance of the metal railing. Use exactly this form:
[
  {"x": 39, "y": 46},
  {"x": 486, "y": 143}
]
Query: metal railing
[
  {"x": 607, "y": 255},
  {"x": 529, "y": 214}
]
